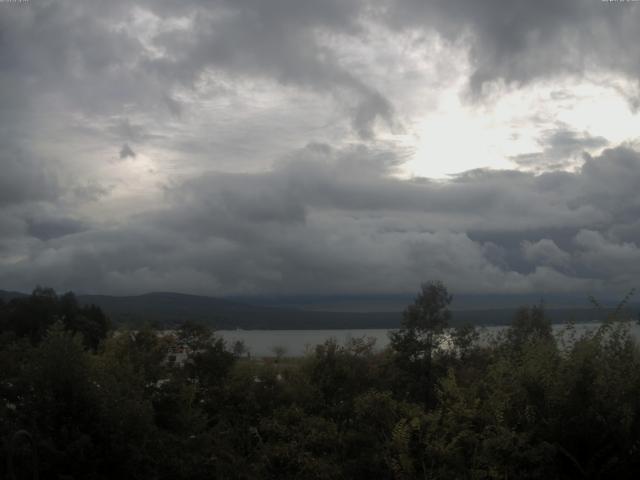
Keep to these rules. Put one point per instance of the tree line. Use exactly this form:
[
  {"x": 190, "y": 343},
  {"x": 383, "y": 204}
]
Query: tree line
[{"x": 437, "y": 403}]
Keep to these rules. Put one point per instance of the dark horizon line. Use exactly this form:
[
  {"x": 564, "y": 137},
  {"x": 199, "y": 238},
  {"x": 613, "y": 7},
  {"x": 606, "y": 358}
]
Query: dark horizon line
[{"x": 309, "y": 296}]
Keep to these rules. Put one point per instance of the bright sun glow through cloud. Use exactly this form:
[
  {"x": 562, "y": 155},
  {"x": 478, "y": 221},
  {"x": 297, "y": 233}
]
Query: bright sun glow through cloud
[{"x": 458, "y": 136}]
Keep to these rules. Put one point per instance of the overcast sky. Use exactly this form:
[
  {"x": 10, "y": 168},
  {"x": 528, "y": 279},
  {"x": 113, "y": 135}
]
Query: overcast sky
[{"x": 326, "y": 146}]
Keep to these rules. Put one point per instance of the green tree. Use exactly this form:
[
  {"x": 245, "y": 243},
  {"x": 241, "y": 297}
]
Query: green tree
[
  {"x": 240, "y": 348},
  {"x": 32, "y": 316},
  {"x": 529, "y": 325},
  {"x": 420, "y": 337},
  {"x": 464, "y": 340}
]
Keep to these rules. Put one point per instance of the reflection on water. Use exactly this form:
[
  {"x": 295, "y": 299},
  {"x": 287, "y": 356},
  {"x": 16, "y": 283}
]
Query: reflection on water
[{"x": 296, "y": 343}]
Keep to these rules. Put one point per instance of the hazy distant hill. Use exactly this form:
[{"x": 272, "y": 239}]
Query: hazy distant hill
[
  {"x": 171, "y": 308},
  {"x": 6, "y": 295},
  {"x": 319, "y": 312},
  {"x": 397, "y": 302}
]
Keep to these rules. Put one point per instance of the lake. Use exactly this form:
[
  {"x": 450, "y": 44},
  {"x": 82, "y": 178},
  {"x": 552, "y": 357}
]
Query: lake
[{"x": 298, "y": 342}]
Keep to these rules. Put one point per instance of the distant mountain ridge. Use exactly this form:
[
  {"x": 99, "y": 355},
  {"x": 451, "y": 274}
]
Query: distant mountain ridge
[
  {"x": 316, "y": 312},
  {"x": 171, "y": 308},
  {"x": 168, "y": 309},
  {"x": 8, "y": 295},
  {"x": 397, "y": 302}
]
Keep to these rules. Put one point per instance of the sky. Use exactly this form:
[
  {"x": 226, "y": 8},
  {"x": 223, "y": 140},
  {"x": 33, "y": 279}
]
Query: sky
[{"x": 240, "y": 147}]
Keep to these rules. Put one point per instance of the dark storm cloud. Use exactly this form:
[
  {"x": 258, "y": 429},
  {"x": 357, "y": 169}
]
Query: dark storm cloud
[
  {"x": 99, "y": 61},
  {"x": 61, "y": 46},
  {"x": 49, "y": 228},
  {"x": 310, "y": 212},
  {"x": 326, "y": 217},
  {"x": 520, "y": 41},
  {"x": 311, "y": 226},
  {"x": 276, "y": 40},
  {"x": 545, "y": 252},
  {"x": 85, "y": 51},
  {"x": 24, "y": 178}
]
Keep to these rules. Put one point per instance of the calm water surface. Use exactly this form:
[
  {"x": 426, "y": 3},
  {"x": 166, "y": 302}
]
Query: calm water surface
[{"x": 296, "y": 343}]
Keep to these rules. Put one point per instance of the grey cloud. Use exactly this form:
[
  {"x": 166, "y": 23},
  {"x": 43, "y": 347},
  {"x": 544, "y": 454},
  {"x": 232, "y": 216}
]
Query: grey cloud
[
  {"x": 325, "y": 217},
  {"x": 327, "y": 220},
  {"x": 127, "y": 152},
  {"x": 545, "y": 252},
  {"x": 310, "y": 259},
  {"x": 520, "y": 41},
  {"x": 103, "y": 60},
  {"x": 357, "y": 180},
  {"x": 609, "y": 181},
  {"x": 90, "y": 191},
  {"x": 275, "y": 40},
  {"x": 374, "y": 106},
  {"x": 602, "y": 253},
  {"x": 57, "y": 51},
  {"x": 12, "y": 225},
  {"x": 311, "y": 225},
  {"x": 404, "y": 218},
  {"x": 49, "y": 228},
  {"x": 24, "y": 178},
  {"x": 237, "y": 198},
  {"x": 562, "y": 148},
  {"x": 99, "y": 63},
  {"x": 124, "y": 129},
  {"x": 495, "y": 254}
]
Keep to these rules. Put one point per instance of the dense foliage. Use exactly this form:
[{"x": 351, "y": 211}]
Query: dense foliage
[{"x": 436, "y": 404}]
